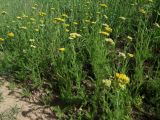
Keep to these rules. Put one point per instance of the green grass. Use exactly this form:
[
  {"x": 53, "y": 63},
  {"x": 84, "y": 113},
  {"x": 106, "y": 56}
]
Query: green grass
[{"x": 76, "y": 79}]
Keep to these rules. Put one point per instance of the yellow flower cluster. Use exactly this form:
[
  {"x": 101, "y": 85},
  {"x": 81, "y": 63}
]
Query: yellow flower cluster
[
  {"x": 130, "y": 55},
  {"x": 123, "y": 79},
  {"x": 61, "y": 49},
  {"x": 129, "y": 38},
  {"x": 42, "y": 14},
  {"x": 1, "y": 40},
  {"x": 10, "y": 34},
  {"x": 107, "y": 82},
  {"x": 110, "y": 41},
  {"x": 74, "y": 35},
  {"x": 141, "y": 10},
  {"x": 107, "y": 30},
  {"x": 103, "y": 5},
  {"x": 59, "y": 20}
]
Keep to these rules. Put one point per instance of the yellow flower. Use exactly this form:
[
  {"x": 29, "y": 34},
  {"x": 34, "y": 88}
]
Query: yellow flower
[
  {"x": 61, "y": 49},
  {"x": 75, "y": 23},
  {"x": 32, "y": 19},
  {"x": 122, "y": 86},
  {"x": 32, "y": 40},
  {"x": 1, "y": 40},
  {"x": 42, "y": 14},
  {"x": 19, "y": 18},
  {"x": 32, "y": 46},
  {"x": 66, "y": 25},
  {"x": 93, "y": 22},
  {"x": 35, "y": 5},
  {"x": 122, "y": 78},
  {"x": 23, "y": 27},
  {"x": 105, "y": 25},
  {"x": 87, "y": 21},
  {"x": 122, "y": 18},
  {"x": 10, "y": 34},
  {"x": 157, "y": 25},
  {"x": 122, "y": 55},
  {"x": 24, "y": 16},
  {"x": 59, "y": 20},
  {"x": 34, "y": 8},
  {"x": 52, "y": 8},
  {"x": 129, "y": 38},
  {"x": 107, "y": 82},
  {"x": 66, "y": 30},
  {"x": 130, "y": 55},
  {"x": 74, "y": 35},
  {"x": 103, "y": 5},
  {"x": 142, "y": 11},
  {"x": 110, "y": 41},
  {"x": 37, "y": 30},
  {"x": 104, "y": 33},
  {"x": 108, "y": 29},
  {"x": 105, "y": 16},
  {"x": 65, "y": 15}
]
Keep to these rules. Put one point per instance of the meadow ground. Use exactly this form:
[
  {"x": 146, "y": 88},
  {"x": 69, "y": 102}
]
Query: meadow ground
[{"x": 85, "y": 59}]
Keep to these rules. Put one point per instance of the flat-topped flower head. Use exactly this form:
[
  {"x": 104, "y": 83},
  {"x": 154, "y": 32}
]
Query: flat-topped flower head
[
  {"x": 32, "y": 19},
  {"x": 107, "y": 82},
  {"x": 19, "y": 18},
  {"x": 104, "y": 33},
  {"x": 122, "y": 78},
  {"x": 103, "y": 5},
  {"x": 61, "y": 49},
  {"x": 130, "y": 55},
  {"x": 110, "y": 41},
  {"x": 42, "y": 14},
  {"x": 65, "y": 15},
  {"x": 10, "y": 34},
  {"x": 122, "y": 55},
  {"x": 1, "y": 40},
  {"x": 32, "y": 46},
  {"x": 141, "y": 10},
  {"x": 74, "y": 35},
  {"x": 37, "y": 30},
  {"x": 157, "y": 25},
  {"x": 108, "y": 29},
  {"x": 24, "y": 16},
  {"x": 129, "y": 38},
  {"x": 58, "y": 20},
  {"x": 34, "y": 8},
  {"x": 75, "y": 23},
  {"x": 23, "y": 27}
]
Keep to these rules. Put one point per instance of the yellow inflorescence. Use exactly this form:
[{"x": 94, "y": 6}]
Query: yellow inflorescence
[
  {"x": 61, "y": 49},
  {"x": 1, "y": 40},
  {"x": 10, "y": 34},
  {"x": 59, "y": 20},
  {"x": 42, "y": 14},
  {"x": 122, "y": 78},
  {"x": 107, "y": 82},
  {"x": 74, "y": 35}
]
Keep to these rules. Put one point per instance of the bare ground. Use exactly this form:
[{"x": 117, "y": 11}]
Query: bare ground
[{"x": 28, "y": 109}]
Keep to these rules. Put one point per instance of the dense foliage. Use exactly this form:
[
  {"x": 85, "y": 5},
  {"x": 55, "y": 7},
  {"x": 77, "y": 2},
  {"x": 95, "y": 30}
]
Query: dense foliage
[{"x": 91, "y": 59}]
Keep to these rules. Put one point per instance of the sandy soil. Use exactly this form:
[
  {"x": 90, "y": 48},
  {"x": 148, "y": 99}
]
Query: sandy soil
[{"x": 29, "y": 110}]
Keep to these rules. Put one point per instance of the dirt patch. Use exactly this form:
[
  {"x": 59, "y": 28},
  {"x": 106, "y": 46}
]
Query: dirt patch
[{"x": 28, "y": 109}]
